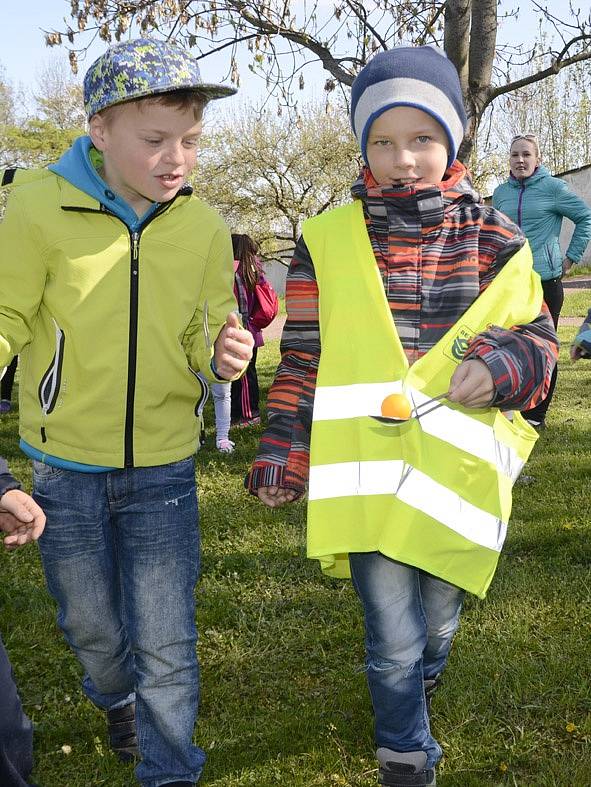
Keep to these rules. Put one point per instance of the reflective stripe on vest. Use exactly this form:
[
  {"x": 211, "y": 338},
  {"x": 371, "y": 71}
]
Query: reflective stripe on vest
[
  {"x": 417, "y": 489},
  {"x": 434, "y": 492},
  {"x": 452, "y": 426}
]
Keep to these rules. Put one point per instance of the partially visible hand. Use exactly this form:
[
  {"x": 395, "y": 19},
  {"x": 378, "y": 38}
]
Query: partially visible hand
[
  {"x": 566, "y": 265},
  {"x": 232, "y": 348},
  {"x": 472, "y": 384},
  {"x": 275, "y": 496},
  {"x": 21, "y": 518},
  {"x": 576, "y": 353}
]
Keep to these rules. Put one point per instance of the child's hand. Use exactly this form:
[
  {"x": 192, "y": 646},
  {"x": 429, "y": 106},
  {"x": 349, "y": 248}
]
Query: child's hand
[
  {"x": 577, "y": 352},
  {"x": 232, "y": 348},
  {"x": 275, "y": 496},
  {"x": 21, "y": 518},
  {"x": 472, "y": 384}
]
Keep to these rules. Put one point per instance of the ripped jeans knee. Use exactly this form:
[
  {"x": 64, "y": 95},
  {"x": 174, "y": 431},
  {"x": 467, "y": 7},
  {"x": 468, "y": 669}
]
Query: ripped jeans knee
[{"x": 396, "y": 669}]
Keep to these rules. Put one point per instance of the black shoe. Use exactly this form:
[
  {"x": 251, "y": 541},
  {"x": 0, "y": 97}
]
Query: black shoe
[
  {"x": 122, "y": 733},
  {"x": 404, "y": 769},
  {"x": 539, "y": 426}
]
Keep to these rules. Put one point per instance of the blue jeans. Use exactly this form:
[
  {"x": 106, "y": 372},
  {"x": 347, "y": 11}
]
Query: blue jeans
[
  {"x": 16, "y": 731},
  {"x": 121, "y": 557},
  {"x": 410, "y": 620}
]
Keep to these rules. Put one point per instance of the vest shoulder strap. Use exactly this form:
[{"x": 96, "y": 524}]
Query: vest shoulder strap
[{"x": 324, "y": 223}]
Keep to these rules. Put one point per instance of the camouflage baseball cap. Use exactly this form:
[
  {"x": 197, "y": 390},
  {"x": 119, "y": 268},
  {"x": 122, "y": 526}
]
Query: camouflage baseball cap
[{"x": 143, "y": 67}]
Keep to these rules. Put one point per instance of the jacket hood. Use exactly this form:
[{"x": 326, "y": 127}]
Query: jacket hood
[{"x": 79, "y": 166}]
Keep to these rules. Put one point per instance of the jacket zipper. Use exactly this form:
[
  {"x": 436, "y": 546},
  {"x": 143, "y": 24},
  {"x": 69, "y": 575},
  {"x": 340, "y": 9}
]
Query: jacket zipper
[
  {"x": 132, "y": 346},
  {"x": 134, "y": 285},
  {"x": 519, "y": 204},
  {"x": 204, "y": 395},
  {"x": 135, "y": 237},
  {"x": 49, "y": 387}
]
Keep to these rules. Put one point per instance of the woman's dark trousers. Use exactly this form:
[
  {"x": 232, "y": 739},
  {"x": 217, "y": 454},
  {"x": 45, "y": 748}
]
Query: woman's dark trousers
[
  {"x": 245, "y": 393},
  {"x": 8, "y": 380},
  {"x": 554, "y": 297}
]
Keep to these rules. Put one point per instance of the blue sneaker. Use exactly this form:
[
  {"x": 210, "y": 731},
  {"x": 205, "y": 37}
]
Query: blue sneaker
[{"x": 5, "y": 406}]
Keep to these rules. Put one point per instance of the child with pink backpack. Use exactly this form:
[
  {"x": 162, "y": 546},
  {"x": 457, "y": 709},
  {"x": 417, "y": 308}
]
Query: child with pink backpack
[{"x": 258, "y": 306}]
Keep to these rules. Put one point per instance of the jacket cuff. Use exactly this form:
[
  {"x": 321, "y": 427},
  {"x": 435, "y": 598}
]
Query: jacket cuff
[
  {"x": 218, "y": 379},
  {"x": 7, "y": 482},
  {"x": 272, "y": 475},
  {"x": 500, "y": 373},
  {"x": 215, "y": 373}
]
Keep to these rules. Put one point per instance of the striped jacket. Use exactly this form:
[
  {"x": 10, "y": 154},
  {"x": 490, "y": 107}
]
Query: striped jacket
[
  {"x": 437, "y": 248},
  {"x": 7, "y": 482}
]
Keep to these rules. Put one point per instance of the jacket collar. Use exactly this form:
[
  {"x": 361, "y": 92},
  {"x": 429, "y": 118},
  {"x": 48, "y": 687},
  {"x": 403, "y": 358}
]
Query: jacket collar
[
  {"x": 426, "y": 204},
  {"x": 82, "y": 188},
  {"x": 538, "y": 174},
  {"x": 72, "y": 198}
]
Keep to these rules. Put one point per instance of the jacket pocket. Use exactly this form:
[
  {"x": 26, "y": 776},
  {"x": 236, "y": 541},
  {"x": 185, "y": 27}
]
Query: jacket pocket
[
  {"x": 203, "y": 393},
  {"x": 49, "y": 387},
  {"x": 45, "y": 472},
  {"x": 554, "y": 258}
]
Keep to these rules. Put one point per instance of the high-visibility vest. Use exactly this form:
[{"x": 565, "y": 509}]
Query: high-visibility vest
[{"x": 434, "y": 492}]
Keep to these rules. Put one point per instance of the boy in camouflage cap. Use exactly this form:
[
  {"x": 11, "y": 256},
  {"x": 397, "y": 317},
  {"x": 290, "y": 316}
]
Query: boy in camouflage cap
[
  {"x": 143, "y": 67},
  {"x": 115, "y": 289}
]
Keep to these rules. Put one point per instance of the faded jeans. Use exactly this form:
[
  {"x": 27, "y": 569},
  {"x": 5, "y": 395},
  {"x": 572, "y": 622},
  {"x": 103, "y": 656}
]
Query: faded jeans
[
  {"x": 410, "y": 620},
  {"x": 121, "y": 557}
]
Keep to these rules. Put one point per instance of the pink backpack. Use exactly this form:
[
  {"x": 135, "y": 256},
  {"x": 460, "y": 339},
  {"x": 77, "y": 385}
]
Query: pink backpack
[{"x": 265, "y": 307}]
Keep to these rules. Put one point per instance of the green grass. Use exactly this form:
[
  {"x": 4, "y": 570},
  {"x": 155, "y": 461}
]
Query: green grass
[
  {"x": 284, "y": 700},
  {"x": 576, "y": 303},
  {"x": 579, "y": 270}
]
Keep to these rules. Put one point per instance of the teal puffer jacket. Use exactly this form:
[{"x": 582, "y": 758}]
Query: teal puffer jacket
[{"x": 538, "y": 204}]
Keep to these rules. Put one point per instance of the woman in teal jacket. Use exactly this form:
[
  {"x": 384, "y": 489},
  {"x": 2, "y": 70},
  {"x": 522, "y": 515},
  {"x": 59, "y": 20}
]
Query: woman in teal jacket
[{"x": 538, "y": 202}]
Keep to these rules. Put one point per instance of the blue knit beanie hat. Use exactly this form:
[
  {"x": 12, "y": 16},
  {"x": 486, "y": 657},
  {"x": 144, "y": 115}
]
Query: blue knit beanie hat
[{"x": 409, "y": 76}]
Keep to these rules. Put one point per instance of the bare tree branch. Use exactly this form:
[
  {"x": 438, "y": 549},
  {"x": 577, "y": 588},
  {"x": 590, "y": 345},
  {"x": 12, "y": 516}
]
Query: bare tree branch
[
  {"x": 343, "y": 40},
  {"x": 556, "y": 66}
]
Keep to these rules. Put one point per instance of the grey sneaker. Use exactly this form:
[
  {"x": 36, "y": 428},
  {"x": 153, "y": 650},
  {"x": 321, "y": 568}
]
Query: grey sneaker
[{"x": 404, "y": 769}]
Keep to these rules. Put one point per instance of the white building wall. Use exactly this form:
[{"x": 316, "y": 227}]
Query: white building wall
[
  {"x": 579, "y": 181},
  {"x": 276, "y": 273}
]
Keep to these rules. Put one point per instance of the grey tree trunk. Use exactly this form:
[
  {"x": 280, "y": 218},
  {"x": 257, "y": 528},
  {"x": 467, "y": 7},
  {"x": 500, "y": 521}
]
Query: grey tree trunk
[{"x": 470, "y": 39}]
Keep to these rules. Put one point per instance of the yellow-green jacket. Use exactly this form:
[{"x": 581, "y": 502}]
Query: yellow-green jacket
[{"x": 110, "y": 325}]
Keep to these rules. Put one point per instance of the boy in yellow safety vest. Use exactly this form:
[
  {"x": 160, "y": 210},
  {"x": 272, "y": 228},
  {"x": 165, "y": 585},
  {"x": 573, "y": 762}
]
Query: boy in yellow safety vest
[{"x": 415, "y": 288}]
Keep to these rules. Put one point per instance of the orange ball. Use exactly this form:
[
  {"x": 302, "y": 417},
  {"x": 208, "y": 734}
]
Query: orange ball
[{"x": 396, "y": 405}]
